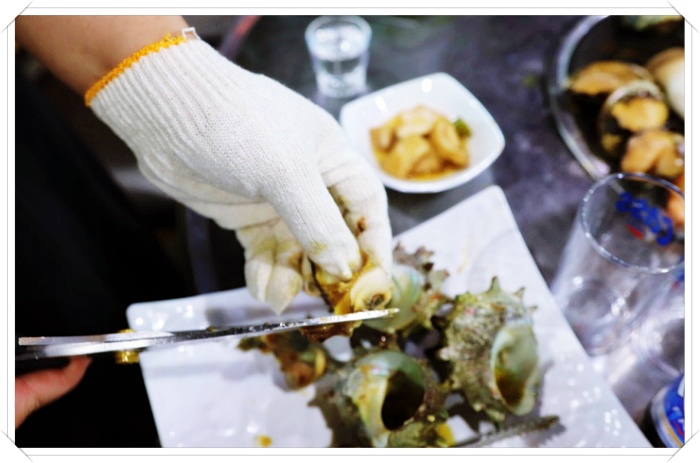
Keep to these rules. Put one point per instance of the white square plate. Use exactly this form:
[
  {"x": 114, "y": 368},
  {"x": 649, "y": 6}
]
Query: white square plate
[
  {"x": 211, "y": 394},
  {"x": 440, "y": 92}
]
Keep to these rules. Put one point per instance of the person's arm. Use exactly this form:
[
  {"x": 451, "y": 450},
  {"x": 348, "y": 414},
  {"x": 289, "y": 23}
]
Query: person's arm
[
  {"x": 34, "y": 390},
  {"x": 234, "y": 146},
  {"x": 79, "y": 50}
]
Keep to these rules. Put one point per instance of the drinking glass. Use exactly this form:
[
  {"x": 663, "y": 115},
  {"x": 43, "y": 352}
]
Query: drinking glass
[
  {"x": 624, "y": 252},
  {"x": 659, "y": 337}
]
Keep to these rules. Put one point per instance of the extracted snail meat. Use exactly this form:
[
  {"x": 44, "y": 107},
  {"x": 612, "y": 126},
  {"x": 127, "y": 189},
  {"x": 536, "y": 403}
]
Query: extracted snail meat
[
  {"x": 658, "y": 152},
  {"x": 640, "y": 113},
  {"x": 604, "y": 77}
]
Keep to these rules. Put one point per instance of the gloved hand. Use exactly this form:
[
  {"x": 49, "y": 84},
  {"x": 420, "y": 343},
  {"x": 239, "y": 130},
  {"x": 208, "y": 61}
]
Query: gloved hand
[{"x": 252, "y": 155}]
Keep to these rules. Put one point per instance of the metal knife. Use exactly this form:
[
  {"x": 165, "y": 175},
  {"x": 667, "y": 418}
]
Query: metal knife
[
  {"x": 535, "y": 425},
  {"x": 35, "y": 348}
]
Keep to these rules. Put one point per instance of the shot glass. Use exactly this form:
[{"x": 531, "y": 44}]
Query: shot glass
[
  {"x": 622, "y": 256},
  {"x": 339, "y": 48}
]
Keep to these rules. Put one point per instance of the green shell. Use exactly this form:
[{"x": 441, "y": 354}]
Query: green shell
[
  {"x": 391, "y": 399},
  {"x": 492, "y": 351},
  {"x": 417, "y": 292}
]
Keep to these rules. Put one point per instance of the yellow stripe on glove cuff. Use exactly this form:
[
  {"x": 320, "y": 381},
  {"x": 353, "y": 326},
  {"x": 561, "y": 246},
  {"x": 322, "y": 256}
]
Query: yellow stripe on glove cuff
[{"x": 166, "y": 42}]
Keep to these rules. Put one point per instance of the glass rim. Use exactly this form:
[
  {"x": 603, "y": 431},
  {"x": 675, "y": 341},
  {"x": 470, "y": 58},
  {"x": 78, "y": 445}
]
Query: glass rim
[
  {"x": 356, "y": 20},
  {"x": 602, "y": 250}
]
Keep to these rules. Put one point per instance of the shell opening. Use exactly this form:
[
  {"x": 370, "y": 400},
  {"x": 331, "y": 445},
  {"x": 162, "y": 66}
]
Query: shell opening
[
  {"x": 514, "y": 365},
  {"x": 403, "y": 397},
  {"x": 407, "y": 287},
  {"x": 388, "y": 388}
]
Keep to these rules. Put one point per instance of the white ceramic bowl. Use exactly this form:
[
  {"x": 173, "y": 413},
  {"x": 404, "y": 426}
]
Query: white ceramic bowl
[{"x": 442, "y": 93}]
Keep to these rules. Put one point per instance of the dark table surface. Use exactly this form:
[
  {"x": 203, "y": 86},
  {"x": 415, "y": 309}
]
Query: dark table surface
[{"x": 504, "y": 61}]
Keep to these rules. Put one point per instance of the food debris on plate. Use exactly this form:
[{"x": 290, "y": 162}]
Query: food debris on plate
[{"x": 263, "y": 441}]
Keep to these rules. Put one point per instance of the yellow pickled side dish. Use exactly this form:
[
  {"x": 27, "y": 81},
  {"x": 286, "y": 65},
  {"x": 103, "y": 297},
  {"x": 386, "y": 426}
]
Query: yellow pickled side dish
[{"x": 421, "y": 144}]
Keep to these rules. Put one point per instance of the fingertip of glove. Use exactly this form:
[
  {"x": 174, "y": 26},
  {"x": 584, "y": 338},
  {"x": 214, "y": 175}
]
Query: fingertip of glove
[
  {"x": 278, "y": 308},
  {"x": 279, "y": 302},
  {"x": 285, "y": 283}
]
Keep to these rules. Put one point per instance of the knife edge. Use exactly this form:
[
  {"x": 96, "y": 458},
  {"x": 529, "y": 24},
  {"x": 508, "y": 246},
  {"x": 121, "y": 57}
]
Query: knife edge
[{"x": 33, "y": 348}]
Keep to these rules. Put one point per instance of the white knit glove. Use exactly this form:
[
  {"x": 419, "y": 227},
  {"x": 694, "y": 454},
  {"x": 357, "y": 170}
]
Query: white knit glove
[{"x": 252, "y": 155}]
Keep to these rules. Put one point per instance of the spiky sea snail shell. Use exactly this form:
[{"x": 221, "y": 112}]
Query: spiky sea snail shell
[
  {"x": 416, "y": 292},
  {"x": 492, "y": 351},
  {"x": 407, "y": 287},
  {"x": 393, "y": 400}
]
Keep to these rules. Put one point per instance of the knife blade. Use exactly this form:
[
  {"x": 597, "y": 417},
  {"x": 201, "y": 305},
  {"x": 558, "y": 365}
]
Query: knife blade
[
  {"x": 535, "y": 425},
  {"x": 34, "y": 348}
]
